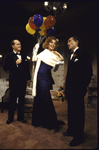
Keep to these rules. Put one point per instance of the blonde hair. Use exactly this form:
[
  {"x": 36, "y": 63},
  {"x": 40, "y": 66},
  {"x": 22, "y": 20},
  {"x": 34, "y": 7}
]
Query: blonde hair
[{"x": 49, "y": 39}]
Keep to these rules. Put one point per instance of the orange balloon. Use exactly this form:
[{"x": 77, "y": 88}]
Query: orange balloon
[
  {"x": 49, "y": 22},
  {"x": 30, "y": 20},
  {"x": 32, "y": 25}
]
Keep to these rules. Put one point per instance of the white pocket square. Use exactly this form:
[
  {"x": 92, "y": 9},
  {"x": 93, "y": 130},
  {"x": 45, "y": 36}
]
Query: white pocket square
[{"x": 75, "y": 60}]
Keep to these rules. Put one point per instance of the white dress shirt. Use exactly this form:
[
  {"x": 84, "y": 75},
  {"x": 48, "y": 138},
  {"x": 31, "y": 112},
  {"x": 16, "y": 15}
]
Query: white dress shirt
[{"x": 19, "y": 56}]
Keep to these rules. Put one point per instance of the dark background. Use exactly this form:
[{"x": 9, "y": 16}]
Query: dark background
[{"x": 79, "y": 19}]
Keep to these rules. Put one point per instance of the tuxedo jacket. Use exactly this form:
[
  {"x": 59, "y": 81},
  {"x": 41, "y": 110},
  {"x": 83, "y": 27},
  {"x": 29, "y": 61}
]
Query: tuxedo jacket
[
  {"x": 20, "y": 73},
  {"x": 79, "y": 73}
]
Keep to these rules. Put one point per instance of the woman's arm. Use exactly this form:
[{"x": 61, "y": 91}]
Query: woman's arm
[
  {"x": 55, "y": 68},
  {"x": 57, "y": 65}
]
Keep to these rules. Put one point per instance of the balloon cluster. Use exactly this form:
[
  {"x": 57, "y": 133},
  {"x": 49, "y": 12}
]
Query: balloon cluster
[{"x": 44, "y": 25}]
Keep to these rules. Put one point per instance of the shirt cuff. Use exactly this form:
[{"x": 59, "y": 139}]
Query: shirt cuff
[{"x": 17, "y": 65}]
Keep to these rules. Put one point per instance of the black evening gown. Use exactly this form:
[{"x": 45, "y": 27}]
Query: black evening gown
[{"x": 43, "y": 109}]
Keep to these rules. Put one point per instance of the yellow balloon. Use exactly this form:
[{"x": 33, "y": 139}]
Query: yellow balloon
[
  {"x": 29, "y": 29},
  {"x": 42, "y": 33},
  {"x": 44, "y": 19},
  {"x": 42, "y": 27}
]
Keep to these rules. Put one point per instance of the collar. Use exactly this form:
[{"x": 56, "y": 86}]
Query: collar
[
  {"x": 75, "y": 49},
  {"x": 16, "y": 52}
]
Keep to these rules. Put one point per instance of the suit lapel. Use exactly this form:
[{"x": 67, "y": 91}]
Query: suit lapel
[
  {"x": 75, "y": 53},
  {"x": 14, "y": 56},
  {"x": 22, "y": 57}
]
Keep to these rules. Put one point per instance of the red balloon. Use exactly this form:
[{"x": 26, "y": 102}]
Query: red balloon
[
  {"x": 49, "y": 22},
  {"x": 32, "y": 25}
]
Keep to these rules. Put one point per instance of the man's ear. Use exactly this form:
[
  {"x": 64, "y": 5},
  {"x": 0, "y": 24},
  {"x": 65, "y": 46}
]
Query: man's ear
[
  {"x": 77, "y": 42},
  {"x": 13, "y": 46}
]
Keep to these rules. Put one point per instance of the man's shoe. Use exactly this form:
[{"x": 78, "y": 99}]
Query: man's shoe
[
  {"x": 67, "y": 134},
  {"x": 76, "y": 141},
  {"x": 8, "y": 122},
  {"x": 23, "y": 121}
]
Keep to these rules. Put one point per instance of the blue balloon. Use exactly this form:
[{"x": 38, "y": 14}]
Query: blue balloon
[
  {"x": 38, "y": 20},
  {"x": 38, "y": 29},
  {"x": 51, "y": 31}
]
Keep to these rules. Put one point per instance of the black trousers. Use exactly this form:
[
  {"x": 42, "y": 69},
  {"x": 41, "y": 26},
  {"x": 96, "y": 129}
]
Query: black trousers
[
  {"x": 76, "y": 115},
  {"x": 17, "y": 89}
]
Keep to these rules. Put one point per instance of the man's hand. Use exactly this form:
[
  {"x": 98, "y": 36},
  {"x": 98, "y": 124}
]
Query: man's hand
[{"x": 18, "y": 61}]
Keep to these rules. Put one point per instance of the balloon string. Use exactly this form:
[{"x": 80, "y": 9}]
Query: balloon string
[{"x": 39, "y": 37}]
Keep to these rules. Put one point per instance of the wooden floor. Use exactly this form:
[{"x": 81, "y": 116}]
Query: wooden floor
[{"x": 18, "y": 135}]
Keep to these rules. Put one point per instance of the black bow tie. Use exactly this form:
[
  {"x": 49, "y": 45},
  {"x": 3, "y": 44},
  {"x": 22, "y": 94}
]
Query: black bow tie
[{"x": 18, "y": 54}]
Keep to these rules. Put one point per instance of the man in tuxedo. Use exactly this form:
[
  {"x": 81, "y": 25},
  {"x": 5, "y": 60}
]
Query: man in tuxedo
[
  {"x": 78, "y": 77},
  {"x": 17, "y": 65}
]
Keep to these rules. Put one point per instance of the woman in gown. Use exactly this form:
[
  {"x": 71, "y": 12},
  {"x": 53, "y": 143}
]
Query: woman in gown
[{"x": 43, "y": 109}]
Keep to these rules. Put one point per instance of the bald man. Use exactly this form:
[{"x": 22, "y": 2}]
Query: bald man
[{"x": 17, "y": 65}]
